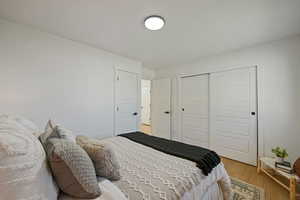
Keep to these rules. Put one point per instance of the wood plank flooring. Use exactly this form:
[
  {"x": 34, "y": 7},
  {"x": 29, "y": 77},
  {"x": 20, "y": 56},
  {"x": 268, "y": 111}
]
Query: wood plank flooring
[{"x": 247, "y": 173}]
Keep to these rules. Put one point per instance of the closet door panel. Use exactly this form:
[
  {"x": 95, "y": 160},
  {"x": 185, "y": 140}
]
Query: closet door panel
[
  {"x": 233, "y": 128},
  {"x": 194, "y": 113}
]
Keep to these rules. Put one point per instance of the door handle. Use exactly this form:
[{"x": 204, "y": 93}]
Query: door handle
[
  {"x": 167, "y": 112},
  {"x": 135, "y": 113}
]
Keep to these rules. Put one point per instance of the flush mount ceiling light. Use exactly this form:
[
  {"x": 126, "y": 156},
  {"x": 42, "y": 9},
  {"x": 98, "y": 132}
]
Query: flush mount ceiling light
[{"x": 154, "y": 22}]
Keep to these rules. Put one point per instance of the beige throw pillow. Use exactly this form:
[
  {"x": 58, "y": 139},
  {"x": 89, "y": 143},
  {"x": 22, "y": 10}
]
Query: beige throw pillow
[
  {"x": 103, "y": 157},
  {"x": 72, "y": 168}
]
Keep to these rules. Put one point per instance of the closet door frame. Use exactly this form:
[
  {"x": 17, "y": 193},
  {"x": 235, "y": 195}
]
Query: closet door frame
[{"x": 259, "y": 91}]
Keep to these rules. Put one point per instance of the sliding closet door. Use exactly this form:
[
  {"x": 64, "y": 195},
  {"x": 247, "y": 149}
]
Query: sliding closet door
[
  {"x": 233, "y": 118},
  {"x": 194, "y": 111}
]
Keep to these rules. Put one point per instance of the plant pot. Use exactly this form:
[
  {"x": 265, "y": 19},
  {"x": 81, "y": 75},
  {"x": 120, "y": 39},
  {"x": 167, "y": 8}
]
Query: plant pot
[{"x": 279, "y": 159}]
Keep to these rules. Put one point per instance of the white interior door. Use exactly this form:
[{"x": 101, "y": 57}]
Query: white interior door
[
  {"x": 233, "y": 118},
  {"x": 146, "y": 86},
  {"x": 161, "y": 108},
  {"x": 126, "y": 102},
  {"x": 194, "y": 111}
]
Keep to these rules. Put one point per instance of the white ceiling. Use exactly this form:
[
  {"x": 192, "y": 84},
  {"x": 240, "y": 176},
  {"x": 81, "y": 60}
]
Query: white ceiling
[{"x": 194, "y": 28}]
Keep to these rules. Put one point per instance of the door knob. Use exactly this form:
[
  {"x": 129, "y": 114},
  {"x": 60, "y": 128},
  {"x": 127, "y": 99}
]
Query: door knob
[
  {"x": 167, "y": 112},
  {"x": 135, "y": 113}
]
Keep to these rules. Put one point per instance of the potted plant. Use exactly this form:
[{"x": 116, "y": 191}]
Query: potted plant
[{"x": 280, "y": 154}]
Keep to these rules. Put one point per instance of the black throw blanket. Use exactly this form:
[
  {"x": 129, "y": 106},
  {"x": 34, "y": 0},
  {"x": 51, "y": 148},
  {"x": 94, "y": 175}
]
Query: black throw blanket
[{"x": 205, "y": 159}]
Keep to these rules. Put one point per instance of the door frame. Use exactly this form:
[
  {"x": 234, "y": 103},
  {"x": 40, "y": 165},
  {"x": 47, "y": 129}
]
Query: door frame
[
  {"x": 259, "y": 101},
  {"x": 138, "y": 106}
]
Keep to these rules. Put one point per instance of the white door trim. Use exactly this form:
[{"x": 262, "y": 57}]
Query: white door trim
[{"x": 138, "y": 97}]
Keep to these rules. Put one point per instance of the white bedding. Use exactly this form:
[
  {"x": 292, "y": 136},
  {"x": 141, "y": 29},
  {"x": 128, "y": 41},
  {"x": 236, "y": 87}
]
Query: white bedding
[
  {"x": 108, "y": 189},
  {"x": 213, "y": 193},
  {"x": 112, "y": 192},
  {"x": 149, "y": 174},
  {"x": 208, "y": 189}
]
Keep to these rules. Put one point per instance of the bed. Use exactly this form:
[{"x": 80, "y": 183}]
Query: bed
[
  {"x": 149, "y": 174},
  {"x": 146, "y": 173}
]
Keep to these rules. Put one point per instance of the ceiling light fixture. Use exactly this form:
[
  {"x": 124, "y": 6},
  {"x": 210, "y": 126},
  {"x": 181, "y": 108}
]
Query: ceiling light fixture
[{"x": 154, "y": 22}]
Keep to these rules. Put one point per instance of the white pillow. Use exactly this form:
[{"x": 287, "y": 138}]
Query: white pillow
[
  {"x": 24, "y": 174},
  {"x": 25, "y": 123},
  {"x": 108, "y": 189}
]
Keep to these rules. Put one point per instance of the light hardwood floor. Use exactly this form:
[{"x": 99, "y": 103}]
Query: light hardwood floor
[
  {"x": 247, "y": 173},
  {"x": 146, "y": 128}
]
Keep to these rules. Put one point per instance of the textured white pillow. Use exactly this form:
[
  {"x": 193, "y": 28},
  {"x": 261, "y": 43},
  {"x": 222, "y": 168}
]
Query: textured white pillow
[
  {"x": 24, "y": 173},
  {"x": 28, "y": 125}
]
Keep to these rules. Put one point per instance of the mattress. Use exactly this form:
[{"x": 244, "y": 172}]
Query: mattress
[{"x": 149, "y": 174}]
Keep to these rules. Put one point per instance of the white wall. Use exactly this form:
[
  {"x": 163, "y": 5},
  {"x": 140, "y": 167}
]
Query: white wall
[
  {"x": 148, "y": 74},
  {"x": 43, "y": 76},
  {"x": 278, "y": 87}
]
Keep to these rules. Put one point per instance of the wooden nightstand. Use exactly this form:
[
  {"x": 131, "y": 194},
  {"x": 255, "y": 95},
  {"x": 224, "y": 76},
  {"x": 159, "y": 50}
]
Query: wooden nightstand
[{"x": 287, "y": 181}]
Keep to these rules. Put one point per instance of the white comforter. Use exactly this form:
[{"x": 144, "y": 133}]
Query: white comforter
[
  {"x": 149, "y": 174},
  {"x": 111, "y": 192}
]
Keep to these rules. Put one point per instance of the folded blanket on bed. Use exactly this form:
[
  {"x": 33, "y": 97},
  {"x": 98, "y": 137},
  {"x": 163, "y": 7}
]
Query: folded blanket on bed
[{"x": 205, "y": 159}]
